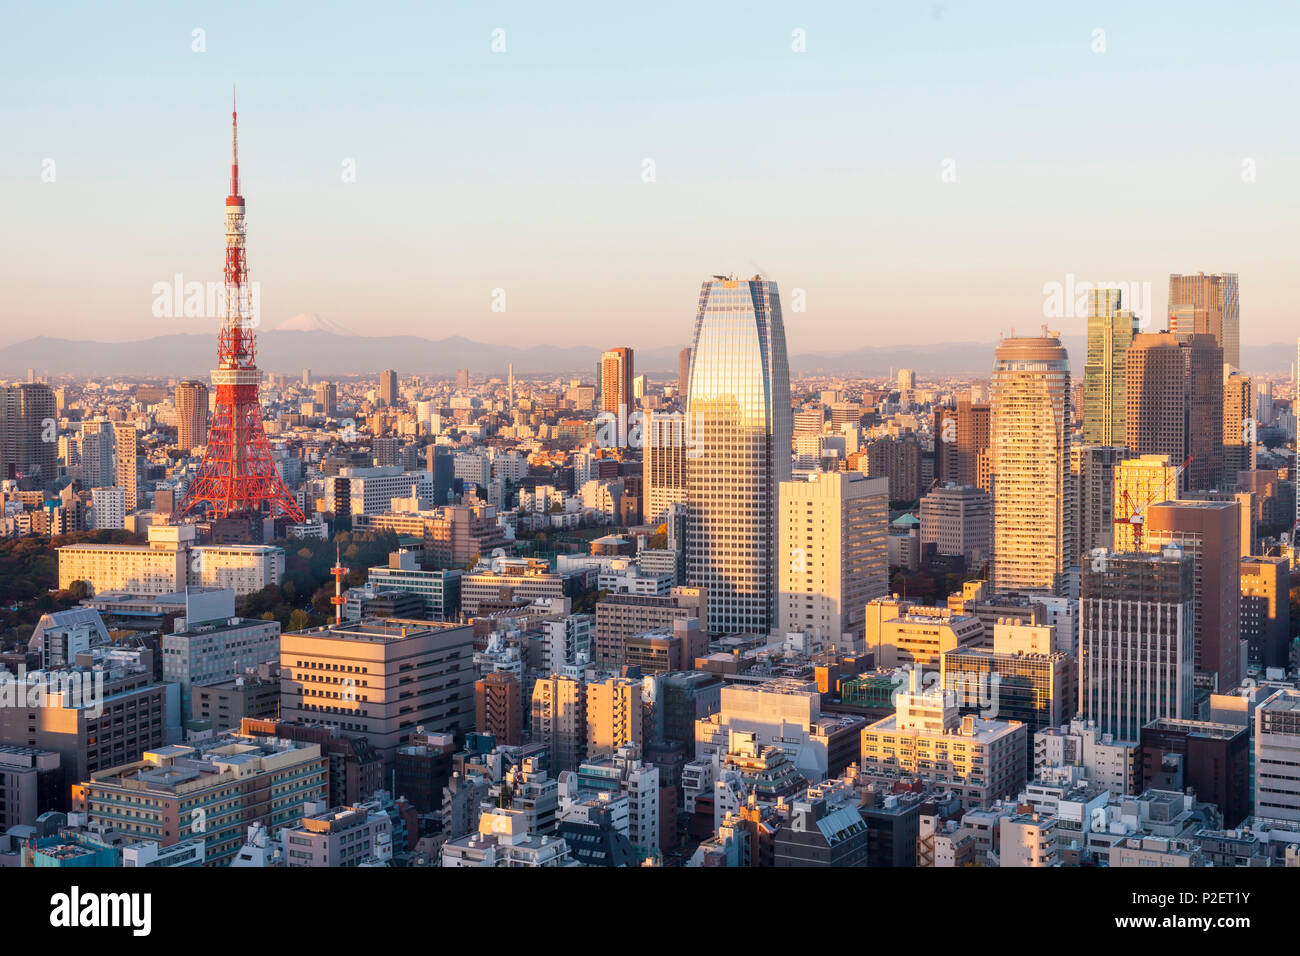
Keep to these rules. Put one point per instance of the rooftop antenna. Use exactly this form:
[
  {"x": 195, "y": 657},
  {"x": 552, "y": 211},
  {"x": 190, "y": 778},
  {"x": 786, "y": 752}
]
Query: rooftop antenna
[{"x": 339, "y": 573}]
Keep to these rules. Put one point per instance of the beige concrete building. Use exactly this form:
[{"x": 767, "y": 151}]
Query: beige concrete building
[
  {"x": 980, "y": 760},
  {"x": 215, "y": 789},
  {"x": 380, "y": 679},
  {"x": 901, "y": 634},
  {"x": 614, "y": 715},
  {"x": 170, "y": 562},
  {"x": 665, "y": 464},
  {"x": 833, "y": 558}
]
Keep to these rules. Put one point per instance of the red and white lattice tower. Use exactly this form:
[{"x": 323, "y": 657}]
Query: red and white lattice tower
[{"x": 237, "y": 475}]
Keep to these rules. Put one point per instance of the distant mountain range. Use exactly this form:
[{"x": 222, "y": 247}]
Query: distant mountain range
[{"x": 335, "y": 353}]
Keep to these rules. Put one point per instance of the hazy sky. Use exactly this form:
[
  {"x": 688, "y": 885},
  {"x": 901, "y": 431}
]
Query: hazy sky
[{"x": 525, "y": 170}]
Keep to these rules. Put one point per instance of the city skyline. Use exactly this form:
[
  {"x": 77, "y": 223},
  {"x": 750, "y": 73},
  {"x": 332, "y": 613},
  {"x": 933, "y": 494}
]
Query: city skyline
[
  {"x": 436, "y": 224},
  {"x": 955, "y": 526}
]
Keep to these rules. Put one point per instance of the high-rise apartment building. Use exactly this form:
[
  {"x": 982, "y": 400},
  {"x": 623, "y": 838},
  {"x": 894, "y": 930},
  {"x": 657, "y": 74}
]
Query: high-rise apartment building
[
  {"x": 1110, "y": 332},
  {"x": 738, "y": 414},
  {"x": 616, "y": 374},
  {"x": 614, "y": 715},
  {"x": 899, "y": 460},
  {"x": 1175, "y": 404},
  {"x": 498, "y": 708},
  {"x": 559, "y": 712},
  {"x": 128, "y": 466},
  {"x": 833, "y": 560},
  {"x": 1208, "y": 304},
  {"x": 326, "y": 396},
  {"x": 388, "y": 386},
  {"x": 98, "y": 457},
  {"x": 664, "y": 464},
  {"x": 1240, "y": 431},
  {"x": 961, "y": 444},
  {"x": 191, "y": 415},
  {"x": 28, "y": 431},
  {"x": 1030, "y": 445},
  {"x": 1209, "y": 531},
  {"x": 108, "y": 508},
  {"x": 1136, "y": 640}
]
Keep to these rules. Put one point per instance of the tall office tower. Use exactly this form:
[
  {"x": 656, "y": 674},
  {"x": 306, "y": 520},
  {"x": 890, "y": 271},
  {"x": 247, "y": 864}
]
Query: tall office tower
[
  {"x": 128, "y": 465},
  {"x": 1239, "y": 427},
  {"x": 462, "y": 378},
  {"x": 306, "y": 378},
  {"x": 683, "y": 373},
  {"x": 1136, "y": 640},
  {"x": 1175, "y": 404},
  {"x": 1110, "y": 332},
  {"x": 739, "y": 427},
  {"x": 833, "y": 530},
  {"x": 665, "y": 464},
  {"x": 326, "y": 395},
  {"x": 614, "y": 715},
  {"x": 1138, "y": 484},
  {"x": 1092, "y": 469},
  {"x": 510, "y": 384},
  {"x": 1266, "y": 609},
  {"x": 616, "y": 376},
  {"x": 98, "y": 458},
  {"x": 28, "y": 431},
  {"x": 906, "y": 383},
  {"x": 1209, "y": 531},
  {"x": 1277, "y": 758},
  {"x": 191, "y": 415},
  {"x": 237, "y": 475},
  {"x": 559, "y": 708},
  {"x": 388, "y": 386},
  {"x": 1030, "y": 445},
  {"x": 1207, "y": 305},
  {"x": 961, "y": 444}
]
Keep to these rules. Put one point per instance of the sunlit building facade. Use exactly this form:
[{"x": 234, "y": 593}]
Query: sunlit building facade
[
  {"x": 738, "y": 453},
  {"x": 1030, "y": 444}
]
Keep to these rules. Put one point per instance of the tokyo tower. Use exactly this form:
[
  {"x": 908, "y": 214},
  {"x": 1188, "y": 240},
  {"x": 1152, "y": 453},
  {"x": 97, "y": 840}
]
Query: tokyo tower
[{"x": 237, "y": 476}]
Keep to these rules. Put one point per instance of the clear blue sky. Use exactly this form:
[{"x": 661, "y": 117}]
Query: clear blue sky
[{"x": 523, "y": 170}]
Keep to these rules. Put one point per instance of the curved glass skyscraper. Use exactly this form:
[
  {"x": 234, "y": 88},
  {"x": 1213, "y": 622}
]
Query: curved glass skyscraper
[{"x": 738, "y": 425}]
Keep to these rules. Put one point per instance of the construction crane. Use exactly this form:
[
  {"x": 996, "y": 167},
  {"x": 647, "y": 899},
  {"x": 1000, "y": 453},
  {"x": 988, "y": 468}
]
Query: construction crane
[{"x": 1131, "y": 512}]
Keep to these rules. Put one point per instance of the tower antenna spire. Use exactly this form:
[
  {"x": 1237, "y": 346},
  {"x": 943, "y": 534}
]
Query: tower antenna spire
[
  {"x": 238, "y": 476},
  {"x": 234, "y": 144}
]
